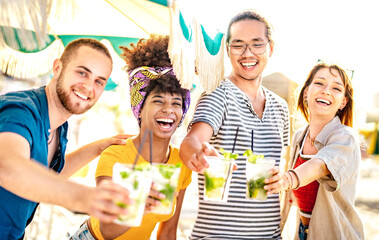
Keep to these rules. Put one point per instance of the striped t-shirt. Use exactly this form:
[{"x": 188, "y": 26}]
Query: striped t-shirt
[{"x": 225, "y": 109}]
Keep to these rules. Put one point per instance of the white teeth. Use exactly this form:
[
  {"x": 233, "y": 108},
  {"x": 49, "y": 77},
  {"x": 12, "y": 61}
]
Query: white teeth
[
  {"x": 166, "y": 127},
  {"x": 249, "y": 65},
  {"x": 81, "y": 95},
  {"x": 323, "y": 101},
  {"x": 166, "y": 120}
]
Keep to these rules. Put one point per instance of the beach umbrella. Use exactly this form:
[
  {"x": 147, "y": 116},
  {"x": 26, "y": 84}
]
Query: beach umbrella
[{"x": 34, "y": 32}]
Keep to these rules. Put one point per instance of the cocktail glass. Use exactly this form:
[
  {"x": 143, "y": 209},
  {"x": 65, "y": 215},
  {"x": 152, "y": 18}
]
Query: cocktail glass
[
  {"x": 217, "y": 178},
  {"x": 165, "y": 178},
  {"x": 257, "y": 168},
  {"x": 138, "y": 182}
]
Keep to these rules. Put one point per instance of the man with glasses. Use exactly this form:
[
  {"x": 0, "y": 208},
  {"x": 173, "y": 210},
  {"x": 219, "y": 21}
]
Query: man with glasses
[{"x": 263, "y": 122}]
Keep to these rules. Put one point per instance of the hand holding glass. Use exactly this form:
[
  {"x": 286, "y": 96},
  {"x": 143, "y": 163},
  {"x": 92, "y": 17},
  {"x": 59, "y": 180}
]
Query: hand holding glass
[
  {"x": 165, "y": 178},
  {"x": 138, "y": 182},
  {"x": 217, "y": 178},
  {"x": 257, "y": 168}
]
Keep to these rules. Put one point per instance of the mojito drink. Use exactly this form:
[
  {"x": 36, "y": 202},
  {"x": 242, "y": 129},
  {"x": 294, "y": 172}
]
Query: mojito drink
[
  {"x": 257, "y": 168},
  {"x": 166, "y": 177},
  {"x": 217, "y": 178},
  {"x": 138, "y": 182}
]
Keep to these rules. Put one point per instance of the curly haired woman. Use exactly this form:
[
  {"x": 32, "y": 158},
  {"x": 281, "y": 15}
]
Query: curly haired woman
[{"x": 159, "y": 104}]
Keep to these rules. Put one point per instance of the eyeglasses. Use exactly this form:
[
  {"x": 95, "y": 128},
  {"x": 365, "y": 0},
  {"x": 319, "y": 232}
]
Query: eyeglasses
[
  {"x": 240, "y": 48},
  {"x": 349, "y": 72}
]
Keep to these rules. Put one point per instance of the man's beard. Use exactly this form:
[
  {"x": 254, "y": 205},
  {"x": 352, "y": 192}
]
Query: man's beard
[{"x": 64, "y": 97}]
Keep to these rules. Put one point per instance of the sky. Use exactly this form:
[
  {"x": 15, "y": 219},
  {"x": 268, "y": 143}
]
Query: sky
[{"x": 342, "y": 32}]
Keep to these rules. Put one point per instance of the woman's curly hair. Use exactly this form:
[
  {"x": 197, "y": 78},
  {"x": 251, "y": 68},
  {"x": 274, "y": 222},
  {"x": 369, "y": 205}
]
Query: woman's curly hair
[{"x": 151, "y": 52}]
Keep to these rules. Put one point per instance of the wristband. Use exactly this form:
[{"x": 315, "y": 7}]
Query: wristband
[
  {"x": 289, "y": 182},
  {"x": 297, "y": 177}
]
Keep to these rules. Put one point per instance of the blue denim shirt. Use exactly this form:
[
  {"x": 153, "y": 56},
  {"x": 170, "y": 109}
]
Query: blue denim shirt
[{"x": 26, "y": 113}]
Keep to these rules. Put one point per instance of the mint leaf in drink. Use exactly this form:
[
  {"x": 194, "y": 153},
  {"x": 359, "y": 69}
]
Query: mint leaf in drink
[
  {"x": 166, "y": 170},
  {"x": 169, "y": 191},
  {"x": 251, "y": 157},
  {"x": 135, "y": 184},
  {"x": 256, "y": 188},
  {"x": 248, "y": 153},
  {"x": 124, "y": 174},
  {"x": 228, "y": 155},
  {"x": 213, "y": 182},
  {"x": 142, "y": 166}
]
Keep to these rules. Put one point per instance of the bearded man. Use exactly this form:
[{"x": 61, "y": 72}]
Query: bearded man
[{"x": 33, "y": 139}]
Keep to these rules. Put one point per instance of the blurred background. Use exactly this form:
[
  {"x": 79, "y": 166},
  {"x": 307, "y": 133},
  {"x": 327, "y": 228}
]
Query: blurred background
[{"x": 342, "y": 32}]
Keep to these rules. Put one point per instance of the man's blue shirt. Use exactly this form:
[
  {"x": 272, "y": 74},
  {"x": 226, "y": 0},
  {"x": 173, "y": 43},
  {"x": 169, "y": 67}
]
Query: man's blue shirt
[{"x": 26, "y": 113}]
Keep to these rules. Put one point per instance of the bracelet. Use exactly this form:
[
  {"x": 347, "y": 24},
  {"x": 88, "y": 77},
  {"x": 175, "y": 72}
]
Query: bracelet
[
  {"x": 297, "y": 177},
  {"x": 289, "y": 182}
]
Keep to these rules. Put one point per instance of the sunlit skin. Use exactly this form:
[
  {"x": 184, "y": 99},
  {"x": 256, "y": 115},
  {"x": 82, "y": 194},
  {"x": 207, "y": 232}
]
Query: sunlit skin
[
  {"x": 325, "y": 95},
  {"x": 249, "y": 66},
  {"x": 81, "y": 82}
]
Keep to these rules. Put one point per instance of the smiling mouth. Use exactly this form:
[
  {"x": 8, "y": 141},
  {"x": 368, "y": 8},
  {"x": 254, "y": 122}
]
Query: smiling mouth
[
  {"x": 319, "y": 100},
  {"x": 165, "y": 123},
  {"x": 82, "y": 96},
  {"x": 249, "y": 65}
]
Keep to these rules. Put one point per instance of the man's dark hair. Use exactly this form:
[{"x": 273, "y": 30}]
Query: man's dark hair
[{"x": 249, "y": 15}]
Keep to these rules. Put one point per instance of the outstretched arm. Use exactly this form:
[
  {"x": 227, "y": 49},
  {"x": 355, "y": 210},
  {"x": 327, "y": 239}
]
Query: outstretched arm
[
  {"x": 30, "y": 180},
  {"x": 195, "y": 147},
  {"x": 85, "y": 154},
  {"x": 308, "y": 172}
]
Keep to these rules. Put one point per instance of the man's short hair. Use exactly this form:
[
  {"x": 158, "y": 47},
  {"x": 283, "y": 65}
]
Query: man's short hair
[{"x": 73, "y": 46}]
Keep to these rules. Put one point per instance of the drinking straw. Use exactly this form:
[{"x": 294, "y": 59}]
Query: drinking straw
[
  {"x": 252, "y": 140},
  {"x": 235, "y": 139},
  {"x": 151, "y": 147},
  {"x": 234, "y": 145},
  {"x": 140, "y": 148}
]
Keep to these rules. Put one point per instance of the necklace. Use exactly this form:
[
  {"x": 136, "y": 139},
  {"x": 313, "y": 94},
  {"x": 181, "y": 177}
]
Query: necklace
[
  {"x": 52, "y": 137},
  {"x": 311, "y": 140}
]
